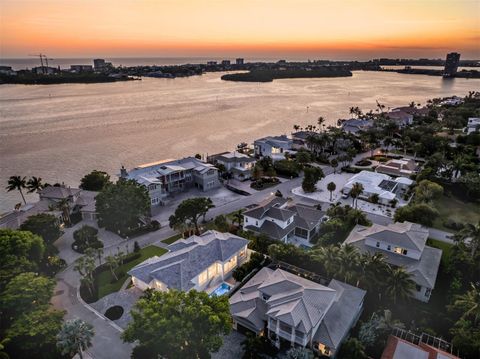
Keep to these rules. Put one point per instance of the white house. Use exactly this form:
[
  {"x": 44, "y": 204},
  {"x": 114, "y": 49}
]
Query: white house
[
  {"x": 296, "y": 224},
  {"x": 378, "y": 183},
  {"x": 472, "y": 125},
  {"x": 239, "y": 164},
  {"x": 274, "y": 147},
  {"x": 170, "y": 176},
  {"x": 198, "y": 262},
  {"x": 403, "y": 245},
  {"x": 293, "y": 311}
]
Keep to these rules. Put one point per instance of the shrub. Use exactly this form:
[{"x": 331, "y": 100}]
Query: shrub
[
  {"x": 114, "y": 313},
  {"x": 136, "y": 247},
  {"x": 154, "y": 225},
  {"x": 245, "y": 269},
  {"x": 451, "y": 224},
  {"x": 86, "y": 237},
  {"x": 287, "y": 168}
]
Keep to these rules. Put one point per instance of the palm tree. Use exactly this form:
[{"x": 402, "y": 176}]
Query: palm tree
[
  {"x": 375, "y": 269},
  {"x": 328, "y": 256},
  {"x": 113, "y": 263},
  {"x": 320, "y": 121},
  {"x": 64, "y": 206},
  {"x": 348, "y": 262},
  {"x": 238, "y": 216},
  {"x": 470, "y": 237},
  {"x": 469, "y": 303},
  {"x": 399, "y": 284},
  {"x": 17, "y": 183},
  {"x": 331, "y": 187},
  {"x": 75, "y": 337},
  {"x": 34, "y": 184},
  {"x": 356, "y": 191}
]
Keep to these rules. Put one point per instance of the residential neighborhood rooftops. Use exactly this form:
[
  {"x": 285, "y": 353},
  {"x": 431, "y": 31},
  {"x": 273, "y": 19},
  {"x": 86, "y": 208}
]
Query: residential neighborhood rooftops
[
  {"x": 398, "y": 167},
  {"x": 188, "y": 258},
  {"x": 264, "y": 207},
  {"x": 58, "y": 192},
  {"x": 298, "y": 302},
  {"x": 235, "y": 157},
  {"x": 407, "y": 235}
]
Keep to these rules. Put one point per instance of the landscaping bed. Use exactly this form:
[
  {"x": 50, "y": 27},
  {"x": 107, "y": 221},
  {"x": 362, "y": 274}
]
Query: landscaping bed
[
  {"x": 172, "y": 239},
  {"x": 105, "y": 283},
  {"x": 264, "y": 183}
]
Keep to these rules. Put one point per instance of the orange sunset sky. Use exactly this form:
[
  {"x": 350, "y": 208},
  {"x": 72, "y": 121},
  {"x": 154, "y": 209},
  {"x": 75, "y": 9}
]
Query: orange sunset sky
[{"x": 336, "y": 29}]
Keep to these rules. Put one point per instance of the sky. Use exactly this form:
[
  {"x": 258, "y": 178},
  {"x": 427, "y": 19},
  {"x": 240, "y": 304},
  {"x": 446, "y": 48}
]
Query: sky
[{"x": 309, "y": 29}]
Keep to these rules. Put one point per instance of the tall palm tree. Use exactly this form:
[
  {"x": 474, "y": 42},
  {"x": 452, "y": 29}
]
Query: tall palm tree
[
  {"x": 34, "y": 184},
  {"x": 375, "y": 269},
  {"x": 64, "y": 206},
  {"x": 238, "y": 216},
  {"x": 331, "y": 187},
  {"x": 75, "y": 337},
  {"x": 356, "y": 191},
  {"x": 470, "y": 237},
  {"x": 348, "y": 263},
  {"x": 113, "y": 262},
  {"x": 469, "y": 303},
  {"x": 328, "y": 256},
  {"x": 17, "y": 183},
  {"x": 399, "y": 284}
]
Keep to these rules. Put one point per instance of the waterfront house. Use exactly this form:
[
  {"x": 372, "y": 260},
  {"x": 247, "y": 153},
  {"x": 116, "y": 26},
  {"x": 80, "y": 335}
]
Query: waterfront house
[
  {"x": 78, "y": 200},
  {"x": 293, "y": 311},
  {"x": 355, "y": 125},
  {"x": 297, "y": 224},
  {"x": 403, "y": 245},
  {"x": 398, "y": 167},
  {"x": 198, "y": 262},
  {"x": 164, "y": 178},
  {"x": 274, "y": 147},
  {"x": 238, "y": 164}
]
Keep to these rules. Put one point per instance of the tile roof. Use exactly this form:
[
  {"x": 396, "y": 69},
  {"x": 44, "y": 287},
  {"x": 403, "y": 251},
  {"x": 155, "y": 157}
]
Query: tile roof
[{"x": 188, "y": 258}]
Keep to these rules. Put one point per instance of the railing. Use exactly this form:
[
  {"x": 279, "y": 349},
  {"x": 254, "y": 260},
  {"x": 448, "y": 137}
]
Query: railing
[{"x": 424, "y": 338}]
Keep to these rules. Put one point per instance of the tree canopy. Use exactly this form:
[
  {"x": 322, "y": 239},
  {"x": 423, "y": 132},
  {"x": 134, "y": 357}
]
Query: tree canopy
[
  {"x": 95, "y": 181},
  {"x": 43, "y": 224},
  {"x": 189, "y": 212},
  {"x": 121, "y": 205},
  {"x": 178, "y": 324}
]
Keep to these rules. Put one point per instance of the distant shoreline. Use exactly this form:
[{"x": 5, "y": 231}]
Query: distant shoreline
[
  {"x": 268, "y": 75},
  {"x": 64, "y": 78}
]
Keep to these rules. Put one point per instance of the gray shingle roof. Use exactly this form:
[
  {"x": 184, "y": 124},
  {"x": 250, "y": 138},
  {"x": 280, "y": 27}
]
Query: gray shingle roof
[
  {"x": 342, "y": 314},
  {"x": 406, "y": 234},
  {"x": 424, "y": 270},
  {"x": 307, "y": 217},
  {"x": 272, "y": 230},
  {"x": 298, "y": 302},
  {"x": 260, "y": 211},
  {"x": 55, "y": 192},
  {"x": 188, "y": 258}
]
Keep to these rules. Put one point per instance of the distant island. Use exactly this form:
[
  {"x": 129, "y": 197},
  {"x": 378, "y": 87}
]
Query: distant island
[
  {"x": 30, "y": 78},
  {"x": 268, "y": 75}
]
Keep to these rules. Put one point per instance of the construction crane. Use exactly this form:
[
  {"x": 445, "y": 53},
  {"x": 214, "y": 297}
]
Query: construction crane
[{"x": 42, "y": 57}]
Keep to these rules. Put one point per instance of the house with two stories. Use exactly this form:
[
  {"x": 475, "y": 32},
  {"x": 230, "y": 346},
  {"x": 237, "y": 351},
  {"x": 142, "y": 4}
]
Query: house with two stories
[
  {"x": 403, "y": 245},
  {"x": 198, "y": 262},
  {"x": 293, "y": 311},
  {"x": 238, "y": 164},
  {"x": 297, "y": 224},
  {"x": 164, "y": 178},
  {"x": 355, "y": 125},
  {"x": 274, "y": 147}
]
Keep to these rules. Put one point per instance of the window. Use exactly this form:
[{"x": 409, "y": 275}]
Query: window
[
  {"x": 256, "y": 223},
  {"x": 398, "y": 250},
  {"x": 428, "y": 292},
  {"x": 203, "y": 277},
  {"x": 265, "y": 297},
  {"x": 389, "y": 247},
  {"x": 404, "y": 252},
  {"x": 378, "y": 244},
  {"x": 246, "y": 219},
  {"x": 299, "y": 334},
  {"x": 212, "y": 270},
  {"x": 232, "y": 262},
  {"x": 242, "y": 253},
  {"x": 418, "y": 287}
]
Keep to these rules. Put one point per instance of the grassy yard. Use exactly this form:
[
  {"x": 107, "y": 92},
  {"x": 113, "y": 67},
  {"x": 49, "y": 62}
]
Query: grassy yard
[
  {"x": 445, "y": 247},
  {"x": 172, "y": 239},
  {"x": 105, "y": 278},
  {"x": 457, "y": 210}
]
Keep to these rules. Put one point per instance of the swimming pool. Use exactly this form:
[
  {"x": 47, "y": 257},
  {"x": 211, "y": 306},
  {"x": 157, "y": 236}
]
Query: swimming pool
[{"x": 222, "y": 289}]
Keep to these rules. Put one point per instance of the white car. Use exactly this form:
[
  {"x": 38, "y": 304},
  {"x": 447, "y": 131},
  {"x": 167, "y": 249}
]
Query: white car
[{"x": 345, "y": 195}]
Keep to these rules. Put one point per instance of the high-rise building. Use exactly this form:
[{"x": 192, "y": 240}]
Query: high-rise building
[
  {"x": 239, "y": 61},
  {"x": 226, "y": 62},
  {"x": 99, "y": 64},
  {"x": 451, "y": 64}
]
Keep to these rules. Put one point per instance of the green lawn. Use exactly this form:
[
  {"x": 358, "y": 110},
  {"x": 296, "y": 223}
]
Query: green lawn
[
  {"x": 445, "y": 247},
  {"x": 172, "y": 239},
  {"x": 105, "y": 278},
  {"x": 457, "y": 210}
]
